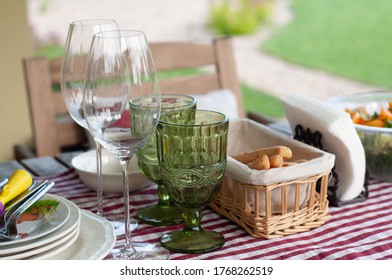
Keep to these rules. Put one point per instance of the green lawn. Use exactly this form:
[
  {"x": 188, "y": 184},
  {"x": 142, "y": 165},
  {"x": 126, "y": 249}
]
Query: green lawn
[
  {"x": 350, "y": 38},
  {"x": 261, "y": 102},
  {"x": 50, "y": 51}
]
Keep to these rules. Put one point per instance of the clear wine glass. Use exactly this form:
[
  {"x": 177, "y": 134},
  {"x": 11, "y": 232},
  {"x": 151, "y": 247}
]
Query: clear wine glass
[
  {"x": 164, "y": 212},
  {"x": 73, "y": 68},
  {"x": 192, "y": 154},
  {"x": 122, "y": 104}
]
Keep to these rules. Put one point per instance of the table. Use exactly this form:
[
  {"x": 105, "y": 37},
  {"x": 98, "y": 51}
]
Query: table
[{"x": 355, "y": 231}]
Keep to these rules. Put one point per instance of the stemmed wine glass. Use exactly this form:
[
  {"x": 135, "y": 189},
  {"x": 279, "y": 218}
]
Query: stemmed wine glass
[
  {"x": 164, "y": 212},
  {"x": 122, "y": 105},
  {"x": 73, "y": 68},
  {"x": 192, "y": 154}
]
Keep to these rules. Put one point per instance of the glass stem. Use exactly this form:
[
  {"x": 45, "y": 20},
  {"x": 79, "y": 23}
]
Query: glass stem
[
  {"x": 163, "y": 195},
  {"x": 99, "y": 179},
  {"x": 192, "y": 219},
  {"x": 128, "y": 249}
]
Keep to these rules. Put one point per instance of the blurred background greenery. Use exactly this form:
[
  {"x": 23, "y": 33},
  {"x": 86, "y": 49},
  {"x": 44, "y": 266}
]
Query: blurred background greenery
[
  {"x": 348, "y": 38},
  {"x": 229, "y": 18},
  {"x": 238, "y": 17}
]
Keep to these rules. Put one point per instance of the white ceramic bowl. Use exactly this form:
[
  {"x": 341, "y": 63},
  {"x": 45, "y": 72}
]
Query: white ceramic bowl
[{"x": 85, "y": 165}]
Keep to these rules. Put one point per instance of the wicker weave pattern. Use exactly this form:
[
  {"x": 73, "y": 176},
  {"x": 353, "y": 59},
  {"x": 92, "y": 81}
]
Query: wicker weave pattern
[{"x": 241, "y": 204}]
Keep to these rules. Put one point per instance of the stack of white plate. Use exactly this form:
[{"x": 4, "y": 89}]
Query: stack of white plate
[{"x": 61, "y": 234}]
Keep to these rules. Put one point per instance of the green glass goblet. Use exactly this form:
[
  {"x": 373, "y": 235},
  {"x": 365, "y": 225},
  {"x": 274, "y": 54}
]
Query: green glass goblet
[
  {"x": 164, "y": 212},
  {"x": 192, "y": 153}
]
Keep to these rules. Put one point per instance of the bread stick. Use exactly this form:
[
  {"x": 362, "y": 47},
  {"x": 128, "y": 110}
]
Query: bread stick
[
  {"x": 288, "y": 163},
  {"x": 261, "y": 163},
  {"x": 276, "y": 161},
  {"x": 249, "y": 157}
]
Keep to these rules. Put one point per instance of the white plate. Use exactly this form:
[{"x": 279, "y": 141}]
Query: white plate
[
  {"x": 95, "y": 241},
  {"x": 72, "y": 222},
  {"x": 55, "y": 246},
  {"x": 67, "y": 242},
  {"x": 86, "y": 166},
  {"x": 30, "y": 230}
]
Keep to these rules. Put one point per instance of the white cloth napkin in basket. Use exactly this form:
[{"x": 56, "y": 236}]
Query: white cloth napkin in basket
[{"x": 339, "y": 137}]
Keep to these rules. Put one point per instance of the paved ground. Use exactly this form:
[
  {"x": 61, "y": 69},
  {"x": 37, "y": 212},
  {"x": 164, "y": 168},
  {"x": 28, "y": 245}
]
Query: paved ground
[{"x": 184, "y": 20}]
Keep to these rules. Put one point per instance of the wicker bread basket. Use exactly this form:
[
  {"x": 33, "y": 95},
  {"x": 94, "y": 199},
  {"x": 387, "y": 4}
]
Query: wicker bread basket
[{"x": 276, "y": 202}]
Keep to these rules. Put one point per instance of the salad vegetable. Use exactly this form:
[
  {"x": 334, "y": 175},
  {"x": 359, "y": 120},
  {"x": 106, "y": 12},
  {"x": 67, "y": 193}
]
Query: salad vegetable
[
  {"x": 39, "y": 209},
  {"x": 380, "y": 118}
]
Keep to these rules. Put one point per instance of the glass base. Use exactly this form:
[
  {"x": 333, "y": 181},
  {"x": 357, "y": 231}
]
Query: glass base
[
  {"x": 142, "y": 251},
  {"x": 192, "y": 242},
  {"x": 160, "y": 215},
  {"x": 119, "y": 227}
]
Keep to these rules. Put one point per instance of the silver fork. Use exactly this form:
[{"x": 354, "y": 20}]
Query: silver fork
[
  {"x": 3, "y": 181},
  {"x": 8, "y": 225},
  {"x": 19, "y": 205},
  {"x": 16, "y": 202}
]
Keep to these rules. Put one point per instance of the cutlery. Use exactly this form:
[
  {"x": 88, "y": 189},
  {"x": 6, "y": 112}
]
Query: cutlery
[
  {"x": 16, "y": 202},
  {"x": 8, "y": 229},
  {"x": 18, "y": 182},
  {"x": 3, "y": 181}
]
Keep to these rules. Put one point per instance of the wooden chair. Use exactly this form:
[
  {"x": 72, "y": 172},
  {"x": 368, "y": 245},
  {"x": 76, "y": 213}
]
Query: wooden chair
[
  {"x": 212, "y": 66},
  {"x": 53, "y": 129},
  {"x": 216, "y": 65}
]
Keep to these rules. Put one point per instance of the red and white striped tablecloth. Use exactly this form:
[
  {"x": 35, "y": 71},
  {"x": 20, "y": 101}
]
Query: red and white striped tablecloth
[{"x": 355, "y": 231}]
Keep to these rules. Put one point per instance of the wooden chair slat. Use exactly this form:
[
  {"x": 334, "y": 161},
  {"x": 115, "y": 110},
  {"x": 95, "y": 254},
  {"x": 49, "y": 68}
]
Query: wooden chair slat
[
  {"x": 169, "y": 56},
  {"x": 190, "y": 84}
]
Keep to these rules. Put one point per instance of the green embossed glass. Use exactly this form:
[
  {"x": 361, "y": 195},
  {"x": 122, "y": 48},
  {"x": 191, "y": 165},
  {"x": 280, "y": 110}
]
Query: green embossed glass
[
  {"x": 192, "y": 154},
  {"x": 164, "y": 212}
]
